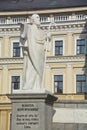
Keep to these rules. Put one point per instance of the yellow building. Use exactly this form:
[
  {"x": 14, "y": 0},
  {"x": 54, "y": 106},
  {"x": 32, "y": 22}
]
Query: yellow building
[{"x": 66, "y": 65}]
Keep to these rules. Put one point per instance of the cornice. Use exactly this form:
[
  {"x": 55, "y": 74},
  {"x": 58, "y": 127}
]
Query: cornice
[
  {"x": 46, "y": 11},
  {"x": 64, "y": 26},
  {"x": 62, "y": 59},
  {"x": 9, "y": 29},
  {"x": 6, "y": 61},
  {"x": 4, "y": 102}
]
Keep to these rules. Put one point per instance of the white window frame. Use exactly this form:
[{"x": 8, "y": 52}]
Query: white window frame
[
  {"x": 53, "y": 83},
  {"x": 10, "y": 81},
  {"x": 58, "y": 73},
  {"x": 82, "y": 86},
  {"x": 75, "y": 81},
  {"x": 13, "y": 41},
  {"x": 78, "y": 37},
  {"x": 76, "y": 45},
  {"x": 59, "y": 39}
]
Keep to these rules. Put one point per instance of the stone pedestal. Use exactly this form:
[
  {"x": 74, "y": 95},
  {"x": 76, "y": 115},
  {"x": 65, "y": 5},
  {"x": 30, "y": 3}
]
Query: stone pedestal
[{"x": 32, "y": 111}]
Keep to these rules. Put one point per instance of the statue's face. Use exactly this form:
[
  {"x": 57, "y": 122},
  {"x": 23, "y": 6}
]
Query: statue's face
[{"x": 36, "y": 19}]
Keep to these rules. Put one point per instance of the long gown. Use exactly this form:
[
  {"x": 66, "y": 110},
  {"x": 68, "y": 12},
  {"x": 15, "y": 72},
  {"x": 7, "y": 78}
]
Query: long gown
[{"x": 32, "y": 42}]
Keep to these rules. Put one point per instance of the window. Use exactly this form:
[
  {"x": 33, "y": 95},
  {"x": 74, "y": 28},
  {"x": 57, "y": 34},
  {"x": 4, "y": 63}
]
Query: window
[
  {"x": 15, "y": 82},
  {"x": 2, "y": 20},
  {"x": 58, "y": 84},
  {"x": 16, "y": 49},
  {"x": 81, "y": 83},
  {"x": 81, "y": 48},
  {"x": 58, "y": 47}
]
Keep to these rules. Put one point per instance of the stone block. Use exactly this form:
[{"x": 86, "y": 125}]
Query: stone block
[
  {"x": 32, "y": 111},
  {"x": 82, "y": 126},
  {"x": 58, "y": 126}
]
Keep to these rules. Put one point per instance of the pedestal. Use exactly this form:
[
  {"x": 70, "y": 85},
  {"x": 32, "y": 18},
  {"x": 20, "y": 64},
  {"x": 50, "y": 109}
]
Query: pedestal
[{"x": 32, "y": 111}]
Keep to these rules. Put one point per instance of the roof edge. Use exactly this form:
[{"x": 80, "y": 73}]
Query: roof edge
[{"x": 41, "y": 11}]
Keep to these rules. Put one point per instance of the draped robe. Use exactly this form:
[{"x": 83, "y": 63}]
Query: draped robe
[{"x": 32, "y": 42}]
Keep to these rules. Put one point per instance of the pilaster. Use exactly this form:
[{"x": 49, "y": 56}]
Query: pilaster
[
  {"x": 6, "y": 43},
  {"x": 5, "y": 79}
]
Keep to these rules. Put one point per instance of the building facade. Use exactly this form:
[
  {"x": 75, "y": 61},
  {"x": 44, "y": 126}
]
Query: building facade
[{"x": 66, "y": 66}]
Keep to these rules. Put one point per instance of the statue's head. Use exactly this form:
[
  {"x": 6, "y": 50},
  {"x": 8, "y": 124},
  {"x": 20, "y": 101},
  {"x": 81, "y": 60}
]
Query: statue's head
[{"x": 35, "y": 19}]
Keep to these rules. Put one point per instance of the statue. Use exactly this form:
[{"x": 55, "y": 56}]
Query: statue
[{"x": 32, "y": 41}]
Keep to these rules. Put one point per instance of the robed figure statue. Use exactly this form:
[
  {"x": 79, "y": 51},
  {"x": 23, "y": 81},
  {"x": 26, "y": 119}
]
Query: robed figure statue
[{"x": 32, "y": 41}]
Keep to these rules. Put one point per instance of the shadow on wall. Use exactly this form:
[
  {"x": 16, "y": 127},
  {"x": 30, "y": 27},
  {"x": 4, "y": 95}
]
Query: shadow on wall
[{"x": 82, "y": 50}]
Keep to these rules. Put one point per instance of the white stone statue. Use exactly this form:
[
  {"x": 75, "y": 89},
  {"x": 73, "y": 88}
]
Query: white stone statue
[{"x": 32, "y": 42}]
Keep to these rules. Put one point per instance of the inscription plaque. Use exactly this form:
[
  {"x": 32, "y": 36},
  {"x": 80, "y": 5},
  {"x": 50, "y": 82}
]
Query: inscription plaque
[
  {"x": 32, "y": 111},
  {"x": 27, "y": 116}
]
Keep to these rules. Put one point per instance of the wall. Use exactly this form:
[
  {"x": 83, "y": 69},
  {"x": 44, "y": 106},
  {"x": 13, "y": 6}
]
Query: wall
[{"x": 70, "y": 115}]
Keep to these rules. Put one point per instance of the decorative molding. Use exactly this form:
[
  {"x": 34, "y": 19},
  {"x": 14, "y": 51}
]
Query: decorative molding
[
  {"x": 9, "y": 29},
  {"x": 6, "y": 61},
  {"x": 57, "y": 59},
  {"x": 5, "y": 67},
  {"x": 63, "y": 26},
  {"x": 4, "y": 99},
  {"x": 69, "y": 26},
  {"x": 18, "y": 72}
]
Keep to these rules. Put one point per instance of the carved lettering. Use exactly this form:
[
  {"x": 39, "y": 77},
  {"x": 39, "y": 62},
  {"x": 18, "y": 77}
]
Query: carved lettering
[{"x": 28, "y": 116}]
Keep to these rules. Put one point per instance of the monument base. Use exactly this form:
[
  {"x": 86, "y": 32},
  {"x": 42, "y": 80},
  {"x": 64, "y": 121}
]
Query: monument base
[
  {"x": 32, "y": 111},
  {"x": 28, "y": 91}
]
